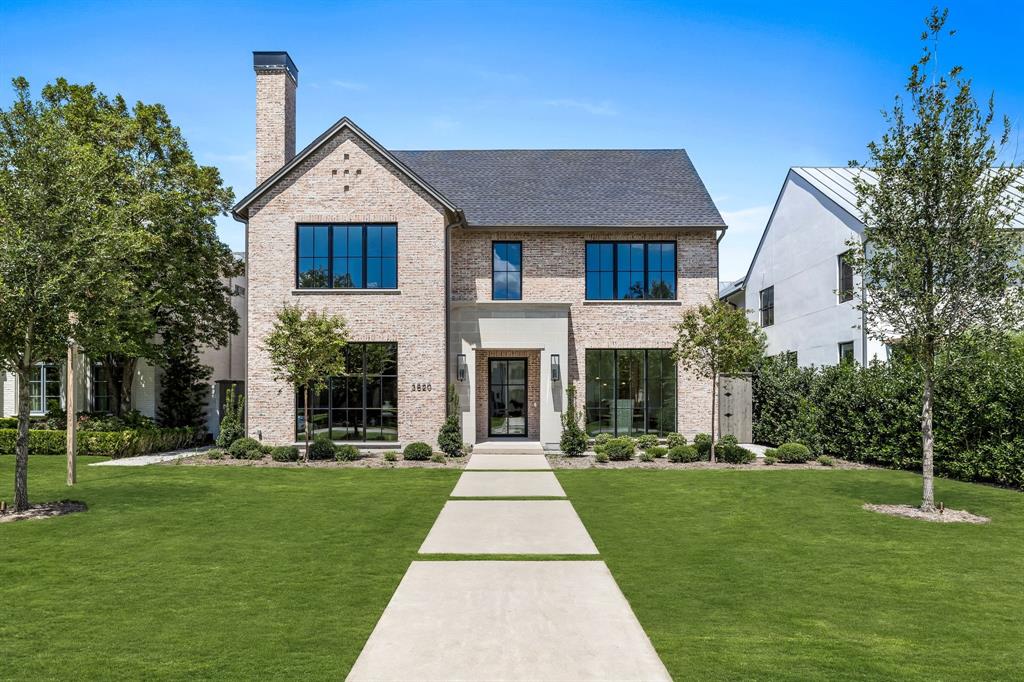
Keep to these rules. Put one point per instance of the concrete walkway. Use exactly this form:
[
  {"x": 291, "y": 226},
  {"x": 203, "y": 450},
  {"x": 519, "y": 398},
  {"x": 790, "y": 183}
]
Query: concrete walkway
[
  {"x": 143, "y": 460},
  {"x": 508, "y": 620}
]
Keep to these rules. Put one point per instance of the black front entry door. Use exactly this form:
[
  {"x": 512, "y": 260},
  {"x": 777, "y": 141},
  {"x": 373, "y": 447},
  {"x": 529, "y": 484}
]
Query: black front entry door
[{"x": 507, "y": 408}]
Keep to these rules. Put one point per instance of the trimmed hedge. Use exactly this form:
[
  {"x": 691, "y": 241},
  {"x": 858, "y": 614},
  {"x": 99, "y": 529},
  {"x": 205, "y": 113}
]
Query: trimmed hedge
[
  {"x": 284, "y": 453},
  {"x": 620, "y": 449},
  {"x": 674, "y": 440},
  {"x": 417, "y": 452},
  {"x": 647, "y": 441},
  {"x": 346, "y": 453},
  {"x": 322, "y": 447},
  {"x": 8, "y": 422},
  {"x": 246, "y": 448},
  {"x": 682, "y": 454},
  {"x": 792, "y": 453},
  {"x": 102, "y": 443},
  {"x": 702, "y": 442}
]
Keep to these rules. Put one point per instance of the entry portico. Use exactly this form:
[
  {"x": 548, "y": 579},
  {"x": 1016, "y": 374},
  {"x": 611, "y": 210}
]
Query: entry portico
[{"x": 482, "y": 331}]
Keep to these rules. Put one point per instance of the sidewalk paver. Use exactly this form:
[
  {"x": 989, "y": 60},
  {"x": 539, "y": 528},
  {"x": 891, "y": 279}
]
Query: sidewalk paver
[
  {"x": 508, "y": 620},
  {"x": 510, "y": 462},
  {"x": 144, "y": 460},
  {"x": 508, "y": 527},
  {"x": 508, "y": 484}
]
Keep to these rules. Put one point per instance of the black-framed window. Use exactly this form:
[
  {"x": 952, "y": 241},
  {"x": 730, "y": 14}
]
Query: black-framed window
[
  {"x": 506, "y": 271},
  {"x": 362, "y": 405},
  {"x": 768, "y": 306},
  {"x": 102, "y": 393},
  {"x": 846, "y": 352},
  {"x": 630, "y": 391},
  {"x": 630, "y": 270},
  {"x": 845, "y": 277},
  {"x": 44, "y": 382},
  {"x": 346, "y": 256}
]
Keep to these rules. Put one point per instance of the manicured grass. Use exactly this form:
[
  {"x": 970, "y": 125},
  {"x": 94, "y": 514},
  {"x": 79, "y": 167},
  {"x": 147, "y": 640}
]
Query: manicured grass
[
  {"x": 782, "y": 575},
  {"x": 184, "y": 572}
]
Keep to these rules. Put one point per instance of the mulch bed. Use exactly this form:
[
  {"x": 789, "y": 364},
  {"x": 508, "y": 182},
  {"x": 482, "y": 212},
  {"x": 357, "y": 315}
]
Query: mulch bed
[
  {"x": 370, "y": 461},
  {"x": 587, "y": 461},
  {"x": 44, "y": 511},
  {"x": 935, "y": 516}
]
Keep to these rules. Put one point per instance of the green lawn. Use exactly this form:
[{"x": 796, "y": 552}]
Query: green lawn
[
  {"x": 781, "y": 574},
  {"x": 213, "y": 572}
]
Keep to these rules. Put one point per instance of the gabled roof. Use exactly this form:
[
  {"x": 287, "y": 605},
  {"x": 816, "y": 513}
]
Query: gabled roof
[
  {"x": 570, "y": 187},
  {"x": 545, "y": 187},
  {"x": 240, "y": 210}
]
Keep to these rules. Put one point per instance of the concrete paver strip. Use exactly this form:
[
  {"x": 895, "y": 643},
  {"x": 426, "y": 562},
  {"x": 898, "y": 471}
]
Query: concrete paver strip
[
  {"x": 508, "y": 620},
  {"x": 511, "y": 462},
  {"x": 144, "y": 460},
  {"x": 508, "y": 527},
  {"x": 508, "y": 484}
]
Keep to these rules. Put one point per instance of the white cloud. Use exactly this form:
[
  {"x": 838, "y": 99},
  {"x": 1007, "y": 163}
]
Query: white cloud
[
  {"x": 604, "y": 108},
  {"x": 348, "y": 85},
  {"x": 747, "y": 220}
]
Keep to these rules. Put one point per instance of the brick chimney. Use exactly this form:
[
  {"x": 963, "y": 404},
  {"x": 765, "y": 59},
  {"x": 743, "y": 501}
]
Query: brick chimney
[{"x": 276, "y": 80}]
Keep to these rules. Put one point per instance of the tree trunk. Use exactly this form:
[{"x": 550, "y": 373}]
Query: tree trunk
[
  {"x": 21, "y": 445},
  {"x": 927, "y": 445},
  {"x": 305, "y": 419},
  {"x": 127, "y": 384},
  {"x": 714, "y": 393}
]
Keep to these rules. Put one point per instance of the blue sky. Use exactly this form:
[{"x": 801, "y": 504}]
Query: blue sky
[{"x": 749, "y": 89}]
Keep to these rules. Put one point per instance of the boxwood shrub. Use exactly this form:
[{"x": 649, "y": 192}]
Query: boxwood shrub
[
  {"x": 675, "y": 439},
  {"x": 684, "y": 453},
  {"x": 793, "y": 453},
  {"x": 284, "y": 453},
  {"x": 322, "y": 447},
  {"x": 417, "y": 452},
  {"x": 734, "y": 454},
  {"x": 346, "y": 453},
  {"x": 620, "y": 449},
  {"x": 8, "y": 422},
  {"x": 657, "y": 451},
  {"x": 647, "y": 441},
  {"x": 246, "y": 448},
  {"x": 702, "y": 442}
]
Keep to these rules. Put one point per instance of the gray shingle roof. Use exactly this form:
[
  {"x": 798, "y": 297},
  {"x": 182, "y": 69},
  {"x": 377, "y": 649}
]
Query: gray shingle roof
[{"x": 569, "y": 188}]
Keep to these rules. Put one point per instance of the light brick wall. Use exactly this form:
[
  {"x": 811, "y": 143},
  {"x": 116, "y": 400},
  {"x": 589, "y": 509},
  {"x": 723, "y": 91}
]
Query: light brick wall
[
  {"x": 314, "y": 192},
  {"x": 554, "y": 271},
  {"x": 532, "y": 390},
  {"x": 275, "y": 121}
]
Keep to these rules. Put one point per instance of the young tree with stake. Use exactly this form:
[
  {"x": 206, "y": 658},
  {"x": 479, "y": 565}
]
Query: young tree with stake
[
  {"x": 716, "y": 339},
  {"x": 305, "y": 349},
  {"x": 936, "y": 260}
]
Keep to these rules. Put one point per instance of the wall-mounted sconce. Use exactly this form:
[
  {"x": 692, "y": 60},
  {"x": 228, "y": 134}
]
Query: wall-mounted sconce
[
  {"x": 460, "y": 366},
  {"x": 556, "y": 368}
]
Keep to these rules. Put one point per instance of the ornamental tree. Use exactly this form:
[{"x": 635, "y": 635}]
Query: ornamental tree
[
  {"x": 306, "y": 348},
  {"x": 936, "y": 260},
  {"x": 716, "y": 339}
]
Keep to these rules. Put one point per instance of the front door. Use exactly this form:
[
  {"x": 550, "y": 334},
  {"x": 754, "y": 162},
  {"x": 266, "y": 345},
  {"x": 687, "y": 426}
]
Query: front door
[{"x": 507, "y": 407}]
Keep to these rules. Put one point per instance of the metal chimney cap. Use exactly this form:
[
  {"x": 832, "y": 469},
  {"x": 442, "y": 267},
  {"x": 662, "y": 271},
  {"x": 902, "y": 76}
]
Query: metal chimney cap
[{"x": 275, "y": 61}]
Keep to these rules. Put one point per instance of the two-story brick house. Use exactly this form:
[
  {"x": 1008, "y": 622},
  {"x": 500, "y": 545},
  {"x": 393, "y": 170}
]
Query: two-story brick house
[{"x": 508, "y": 273}]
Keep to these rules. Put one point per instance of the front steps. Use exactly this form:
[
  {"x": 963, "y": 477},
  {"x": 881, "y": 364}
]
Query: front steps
[{"x": 508, "y": 447}]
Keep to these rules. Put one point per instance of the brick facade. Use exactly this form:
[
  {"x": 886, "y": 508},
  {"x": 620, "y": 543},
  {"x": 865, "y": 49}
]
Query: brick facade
[{"x": 275, "y": 121}]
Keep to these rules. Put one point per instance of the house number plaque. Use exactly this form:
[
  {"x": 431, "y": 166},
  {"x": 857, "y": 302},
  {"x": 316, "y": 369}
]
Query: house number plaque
[{"x": 422, "y": 387}]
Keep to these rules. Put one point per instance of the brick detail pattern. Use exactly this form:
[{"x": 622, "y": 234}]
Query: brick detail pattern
[
  {"x": 377, "y": 192},
  {"x": 275, "y": 121},
  {"x": 554, "y": 269},
  {"x": 532, "y": 390}
]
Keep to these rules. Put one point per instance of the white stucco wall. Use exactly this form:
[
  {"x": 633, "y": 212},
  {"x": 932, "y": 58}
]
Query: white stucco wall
[
  {"x": 227, "y": 363},
  {"x": 798, "y": 256}
]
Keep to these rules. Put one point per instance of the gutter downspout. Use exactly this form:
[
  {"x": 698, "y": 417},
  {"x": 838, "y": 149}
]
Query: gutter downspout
[{"x": 460, "y": 221}]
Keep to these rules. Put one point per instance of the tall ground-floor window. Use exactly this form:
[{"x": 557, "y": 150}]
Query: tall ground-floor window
[
  {"x": 362, "y": 405},
  {"x": 630, "y": 392},
  {"x": 43, "y": 387},
  {"x": 103, "y": 394}
]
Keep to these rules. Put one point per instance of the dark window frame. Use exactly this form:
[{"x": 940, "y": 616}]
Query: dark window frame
[
  {"x": 845, "y": 278},
  {"x": 506, "y": 384},
  {"x": 364, "y": 257},
  {"x": 646, "y": 389},
  {"x": 767, "y": 311},
  {"x": 844, "y": 345},
  {"x": 646, "y": 272},
  {"x": 494, "y": 244}
]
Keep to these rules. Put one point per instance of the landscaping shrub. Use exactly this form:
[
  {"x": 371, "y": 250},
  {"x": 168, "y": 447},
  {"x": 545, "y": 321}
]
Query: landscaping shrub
[
  {"x": 438, "y": 458},
  {"x": 702, "y": 442},
  {"x": 657, "y": 451},
  {"x": 101, "y": 443},
  {"x": 620, "y": 449},
  {"x": 646, "y": 456},
  {"x": 602, "y": 438},
  {"x": 684, "y": 453},
  {"x": 826, "y": 461},
  {"x": 232, "y": 424},
  {"x": 284, "y": 453},
  {"x": 346, "y": 453},
  {"x": 675, "y": 439},
  {"x": 390, "y": 456},
  {"x": 793, "y": 453},
  {"x": 322, "y": 447},
  {"x": 648, "y": 440},
  {"x": 734, "y": 454},
  {"x": 417, "y": 452},
  {"x": 246, "y": 448},
  {"x": 601, "y": 458},
  {"x": 728, "y": 440},
  {"x": 770, "y": 460},
  {"x": 449, "y": 439},
  {"x": 215, "y": 453},
  {"x": 8, "y": 423},
  {"x": 573, "y": 442}
]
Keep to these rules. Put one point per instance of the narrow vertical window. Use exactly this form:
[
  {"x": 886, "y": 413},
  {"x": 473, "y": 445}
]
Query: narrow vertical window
[
  {"x": 768, "y": 307},
  {"x": 506, "y": 271},
  {"x": 43, "y": 387},
  {"x": 314, "y": 257},
  {"x": 600, "y": 271},
  {"x": 845, "y": 277},
  {"x": 846, "y": 352}
]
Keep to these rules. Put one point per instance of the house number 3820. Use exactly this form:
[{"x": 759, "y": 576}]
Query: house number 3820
[{"x": 422, "y": 387}]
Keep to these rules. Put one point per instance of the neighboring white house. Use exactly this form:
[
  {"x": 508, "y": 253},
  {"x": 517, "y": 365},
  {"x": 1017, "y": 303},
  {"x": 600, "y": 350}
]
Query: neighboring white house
[{"x": 797, "y": 286}]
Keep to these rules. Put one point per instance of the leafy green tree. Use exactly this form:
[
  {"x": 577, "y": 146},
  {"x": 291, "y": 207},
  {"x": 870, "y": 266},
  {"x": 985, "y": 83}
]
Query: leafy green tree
[
  {"x": 716, "y": 339},
  {"x": 65, "y": 249},
  {"x": 185, "y": 389},
  {"x": 936, "y": 260},
  {"x": 574, "y": 440},
  {"x": 306, "y": 348}
]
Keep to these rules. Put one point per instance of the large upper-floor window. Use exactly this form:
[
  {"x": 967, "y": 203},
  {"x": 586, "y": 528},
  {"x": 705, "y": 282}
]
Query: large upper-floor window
[
  {"x": 43, "y": 387},
  {"x": 506, "y": 271},
  {"x": 631, "y": 270},
  {"x": 347, "y": 256},
  {"x": 768, "y": 307},
  {"x": 630, "y": 391},
  {"x": 845, "y": 277},
  {"x": 362, "y": 405}
]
